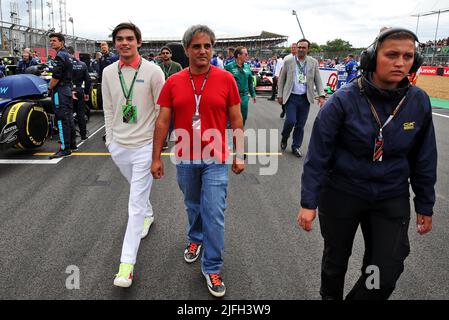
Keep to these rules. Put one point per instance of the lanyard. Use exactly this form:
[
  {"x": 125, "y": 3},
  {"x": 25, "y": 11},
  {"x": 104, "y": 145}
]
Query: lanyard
[
  {"x": 128, "y": 93},
  {"x": 390, "y": 118},
  {"x": 302, "y": 69},
  {"x": 198, "y": 97}
]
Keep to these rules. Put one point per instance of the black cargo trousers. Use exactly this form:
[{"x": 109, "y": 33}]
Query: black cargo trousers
[
  {"x": 384, "y": 226},
  {"x": 63, "y": 108},
  {"x": 79, "y": 106}
]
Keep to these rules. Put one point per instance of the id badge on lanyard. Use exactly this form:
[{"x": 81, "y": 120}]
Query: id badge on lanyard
[
  {"x": 129, "y": 110},
  {"x": 129, "y": 114},
  {"x": 302, "y": 77},
  {"x": 196, "y": 119},
  {"x": 379, "y": 142}
]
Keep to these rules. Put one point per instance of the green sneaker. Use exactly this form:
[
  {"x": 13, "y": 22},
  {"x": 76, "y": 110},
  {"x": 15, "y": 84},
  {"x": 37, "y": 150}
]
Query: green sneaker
[
  {"x": 124, "y": 278},
  {"x": 146, "y": 226}
]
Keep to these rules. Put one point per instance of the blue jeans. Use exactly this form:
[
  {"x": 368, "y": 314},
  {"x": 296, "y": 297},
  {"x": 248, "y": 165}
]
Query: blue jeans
[
  {"x": 205, "y": 188},
  {"x": 297, "y": 112}
]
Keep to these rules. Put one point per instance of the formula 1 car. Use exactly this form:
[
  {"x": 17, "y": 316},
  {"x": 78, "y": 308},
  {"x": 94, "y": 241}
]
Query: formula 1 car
[
  {"x": 264, "y": 81},
  {"x": 24, "y": 111}
]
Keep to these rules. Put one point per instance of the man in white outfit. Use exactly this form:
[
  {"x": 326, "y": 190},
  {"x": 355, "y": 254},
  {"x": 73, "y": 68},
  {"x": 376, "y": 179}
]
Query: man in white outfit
[{"x": 130, "y": 89}]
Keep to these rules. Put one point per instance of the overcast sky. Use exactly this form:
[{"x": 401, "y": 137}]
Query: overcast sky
[{"x": 357, "y": 21}]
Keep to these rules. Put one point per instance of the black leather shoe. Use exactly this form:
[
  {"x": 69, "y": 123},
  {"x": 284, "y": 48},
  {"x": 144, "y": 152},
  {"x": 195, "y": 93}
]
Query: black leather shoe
[
  {"x": 297, "y": 152},
  {"x": 283, "y": 145}
]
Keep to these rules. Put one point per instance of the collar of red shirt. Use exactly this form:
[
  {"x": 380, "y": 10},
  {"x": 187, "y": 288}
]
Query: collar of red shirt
[{"x": 133, "y": 64}]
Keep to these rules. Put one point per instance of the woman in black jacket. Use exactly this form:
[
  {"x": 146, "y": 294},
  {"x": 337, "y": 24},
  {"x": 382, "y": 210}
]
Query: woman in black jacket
[{"x": 370, "y": 142}]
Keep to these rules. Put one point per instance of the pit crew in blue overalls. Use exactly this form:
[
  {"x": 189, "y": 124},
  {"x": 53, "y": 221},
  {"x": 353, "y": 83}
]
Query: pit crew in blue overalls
[
  {"x": 26, "y": 62},
  {"x": 61, "y": 92},
  {"x": 351, "y": 68},
  {"x": 79, "y": 94}
]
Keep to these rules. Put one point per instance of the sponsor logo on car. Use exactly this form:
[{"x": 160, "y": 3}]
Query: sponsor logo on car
[{"x": 8, "y": 134}]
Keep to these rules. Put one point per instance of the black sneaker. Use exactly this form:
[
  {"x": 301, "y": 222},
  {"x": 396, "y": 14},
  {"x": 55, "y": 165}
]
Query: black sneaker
[
  {"x": 73, "y": 147},
  {"x": 284, "y": 144},
  {"x": 215, "y": 284},
  {"x": 192, "y": 252},
  {"x": 297, "y": 152},
  {"x": 61, "y": 154},
  {"x": 165, "y": 146},
  {"x": 84, "y": 138}
]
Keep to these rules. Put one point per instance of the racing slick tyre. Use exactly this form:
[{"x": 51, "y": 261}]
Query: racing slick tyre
[
  {"x": 32, "y": 123},
  {"x": 95, "y": 98}
]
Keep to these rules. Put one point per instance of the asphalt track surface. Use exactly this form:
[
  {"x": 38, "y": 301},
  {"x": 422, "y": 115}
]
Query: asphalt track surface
[{"x": 74, "y": 213}]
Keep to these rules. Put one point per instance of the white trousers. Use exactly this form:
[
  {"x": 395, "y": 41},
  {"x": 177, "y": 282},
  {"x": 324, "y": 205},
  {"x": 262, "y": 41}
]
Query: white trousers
[{"x": 135, "y": 165}]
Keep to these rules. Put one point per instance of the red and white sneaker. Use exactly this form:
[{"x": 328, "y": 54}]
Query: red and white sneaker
[
  {"x": 215, "y": 284},
  {"x": 192, "y": 252}
]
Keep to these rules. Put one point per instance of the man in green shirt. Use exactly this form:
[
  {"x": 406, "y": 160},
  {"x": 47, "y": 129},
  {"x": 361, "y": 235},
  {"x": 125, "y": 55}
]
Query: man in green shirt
[
  {"x": 167, "y": 65},
  {"x": 244, "y": 78}
]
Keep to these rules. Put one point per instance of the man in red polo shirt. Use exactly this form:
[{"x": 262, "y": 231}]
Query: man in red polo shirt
[{"x": 202, "y": 98}]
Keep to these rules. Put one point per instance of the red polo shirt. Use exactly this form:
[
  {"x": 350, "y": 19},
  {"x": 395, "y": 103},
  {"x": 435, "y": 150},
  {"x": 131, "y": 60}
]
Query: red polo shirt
[{"x": 220, "y": 93}]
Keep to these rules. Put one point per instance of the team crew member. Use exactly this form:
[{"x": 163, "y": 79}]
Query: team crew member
[
  {"x": 107, "y": 58},
  {"x": 230, "y": 57},
  {"x": 370, "y": 139},
  {"x": 244, "y": 78},
  {"x": 352, "y": 68},
  {"x": 61, "y": 93},
  {"x": 202, "y": 97},
  {"x": 131, "y": 87},
  {"x": 26, "y": 62},
  {"x": 80, "y": 94},
  {"x": 95, "y": 64}
]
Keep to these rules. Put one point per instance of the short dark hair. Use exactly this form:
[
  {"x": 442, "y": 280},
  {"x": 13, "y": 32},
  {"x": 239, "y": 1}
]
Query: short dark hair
[
  {"x": 238, "y": 51},
  {"x": 129, "y": 26},
  {"x": 304, "y": 40},
  {"x": 71, "y": 50},
  {"x": 60, "y": 36},
  {"x": 165, "y": 48}
]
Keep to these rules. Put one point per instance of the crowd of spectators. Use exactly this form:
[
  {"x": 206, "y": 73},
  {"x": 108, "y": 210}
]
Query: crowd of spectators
[{"x": 431, "y": 43}]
